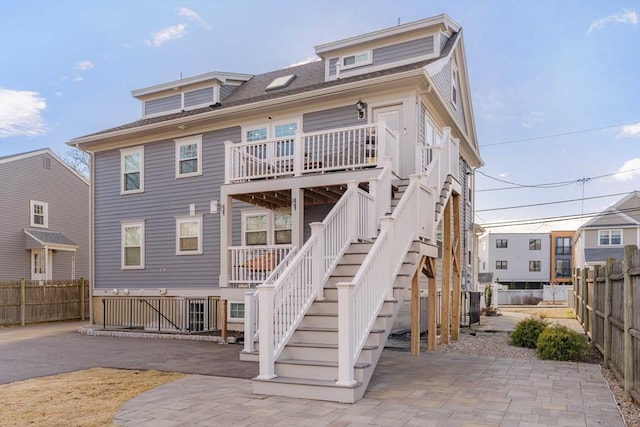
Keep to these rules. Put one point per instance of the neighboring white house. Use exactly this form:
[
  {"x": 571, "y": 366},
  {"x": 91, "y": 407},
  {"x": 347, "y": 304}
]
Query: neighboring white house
[{"x": 605, "y": 235}]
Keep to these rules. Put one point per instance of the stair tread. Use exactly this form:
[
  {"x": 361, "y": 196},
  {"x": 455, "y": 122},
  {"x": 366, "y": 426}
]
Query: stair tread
[
  {"x": 308, "y": 381},
  {"x": 322, "y": 345},
  {"x": 319, "y": 329},
  {"x": 326, "y": 363}
]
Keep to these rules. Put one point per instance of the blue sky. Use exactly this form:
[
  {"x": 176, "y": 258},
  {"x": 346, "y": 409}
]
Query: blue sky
[{"x": 555, "y": 84}]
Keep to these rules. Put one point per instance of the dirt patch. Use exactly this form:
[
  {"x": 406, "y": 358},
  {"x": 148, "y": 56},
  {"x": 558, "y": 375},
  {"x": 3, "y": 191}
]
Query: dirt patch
[
  {"x": 543, "y": 311},
  {"x": 83, "y": 398}
]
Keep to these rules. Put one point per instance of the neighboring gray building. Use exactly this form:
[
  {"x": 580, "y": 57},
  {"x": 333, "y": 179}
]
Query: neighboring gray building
[
  {"x": 44, "y": 218},
  {"x": 605, "y": 235},
  {"x": 521, "y": 259}
]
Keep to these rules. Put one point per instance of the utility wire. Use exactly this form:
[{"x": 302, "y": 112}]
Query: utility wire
[
  {"x": 515, "y": 141},
  {"x": 549, "y": 203},
  {"x": 556, "y": 218}
]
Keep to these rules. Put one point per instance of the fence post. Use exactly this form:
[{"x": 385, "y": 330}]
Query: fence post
[
  {"x": 585, "y": 300},
  {"x": 223, "y": 329},
  {"x": 23, "y": 302},
  {"x": 628, "y": 320},
  {"x": 82, "y": 302},
  {"x": 608, "y": 294}
]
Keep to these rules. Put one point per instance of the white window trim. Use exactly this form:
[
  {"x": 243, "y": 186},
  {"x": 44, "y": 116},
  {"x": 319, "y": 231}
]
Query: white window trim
[
  {"x": 123, "y": 153},
  {"x": 271, "y": 128},
  {"x": 197, "y": 140},
  {"x": 609, "y": 231},
  {"x": 45, "y": 213},
  {"x": 123, "y": 225},
  {"x": 271, "y": 228},
  {"x": 235, "y": 319},
  {"x": 182, "y": 219},
  {"x": 455, "y": 84},
  {"x": 368, "y": 61}
]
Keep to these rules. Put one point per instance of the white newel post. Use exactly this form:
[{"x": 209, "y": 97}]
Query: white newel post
[
  {"x": 386, "y": 224},
  {"x": 265, "y": 322},
  {"x": 228, "y": 161},
  {"x": 352, "y": 211},
  {"x": 318, "y": 257},
  {"x": 345, "y": 335},
  {"x": 382, "y": 138},
  {"x": 249, "y": 321},
  {"x": 445, "y": 157},
  {"x": 298, "y": 154}
]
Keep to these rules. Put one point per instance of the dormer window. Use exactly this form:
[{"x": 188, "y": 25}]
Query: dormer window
[{"x": 356, "y": 60}]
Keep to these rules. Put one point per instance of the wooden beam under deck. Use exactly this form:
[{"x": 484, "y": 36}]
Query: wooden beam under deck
[{"x": 277, "y": 199}]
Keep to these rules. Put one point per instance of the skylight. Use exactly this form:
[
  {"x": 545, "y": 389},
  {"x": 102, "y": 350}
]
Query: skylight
[{"x": 281, "y": 82}]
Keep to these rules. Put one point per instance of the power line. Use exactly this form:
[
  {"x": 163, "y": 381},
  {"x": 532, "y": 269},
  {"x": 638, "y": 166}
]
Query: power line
[
  {"x": 515, "y": 141},
  {"x": 549, "y": 203},
  {"x": 547, "y": 185},
  {"x": 555, "y": 218}
]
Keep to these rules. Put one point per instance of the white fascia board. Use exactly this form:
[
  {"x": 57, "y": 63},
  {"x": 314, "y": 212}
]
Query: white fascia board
[
  {"x": 443, "y": 19},
  {"x": 176, "y": 84}
]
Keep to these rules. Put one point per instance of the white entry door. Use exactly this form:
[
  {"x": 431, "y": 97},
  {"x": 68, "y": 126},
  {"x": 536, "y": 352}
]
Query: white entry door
[
  {"x": 41, "y": 268},
  {"x": 391, "y": 116}
]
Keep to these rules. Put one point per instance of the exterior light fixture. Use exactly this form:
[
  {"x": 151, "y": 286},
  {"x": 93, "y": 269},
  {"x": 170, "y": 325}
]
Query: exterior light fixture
[{"x": 362, "y": 109}]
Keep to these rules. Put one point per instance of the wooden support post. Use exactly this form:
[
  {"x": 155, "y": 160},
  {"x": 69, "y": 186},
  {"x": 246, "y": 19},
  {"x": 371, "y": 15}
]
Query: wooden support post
[
  {"x": 628, "y": 320},
  {"x": 445, "y": 298},
  {"x": 585, "y": 300},
  {"x": 415, "y": 308},
  {"x": 608, "y": 297},
  {"x": 431, "y": 309},
  {"x": 457, "y": 270},
  {"x": 82, "y": 302},
  {"x": 23, "y": 301},
  {"x": 223, "y": 327}
]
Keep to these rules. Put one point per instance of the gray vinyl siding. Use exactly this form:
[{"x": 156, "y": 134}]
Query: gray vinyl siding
[
  {"x": 198, "y": 97},
  {"x": 164, "y": 198},
  {"x": 67, "y": 197},
  {"x": 225, "y": 90},
  {"x": 315, "y": 213},
  {"x": 168, "y": 103},
  {"x": 442, "y": 81},
  {"x": 394, "y": 53},
  {"x": 443, "y": 41},
  {"x": 331, "y": 119}
]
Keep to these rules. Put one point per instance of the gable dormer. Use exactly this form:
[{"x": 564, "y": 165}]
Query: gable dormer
[
  {"x": 404, "y": 44},
  {"x": 188, "y": 94}
]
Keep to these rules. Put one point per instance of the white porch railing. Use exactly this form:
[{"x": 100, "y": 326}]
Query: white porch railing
[
  {"x": 437, "y": 161},
  {"x": 283, "y": 302},
  {"x": 311, "y": 152},
  {"x": 251, "y": 265}
]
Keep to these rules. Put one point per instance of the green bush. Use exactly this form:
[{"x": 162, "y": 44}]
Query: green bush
[
  {"x": 561, "y": 343},
  {"x": 527, "y": 331}
]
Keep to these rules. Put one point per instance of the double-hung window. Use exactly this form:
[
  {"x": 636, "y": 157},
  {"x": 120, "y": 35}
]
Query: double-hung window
[
  {"x": 132, "y": 170},
  {"x": 563, "y": 245},
  {"x": 501, "y": 265},
  {"x": 266, "y": 228},
  {"x": 132, "y": 241},
  {"x": 609, "y": 237},
  {"x": 534, "y": 265},
  {"x": 39, "y": 214},
  {"x": 189, "y": 156},
  {"x": 189, "y": 235},
  {"x": 502, "y": 243}
]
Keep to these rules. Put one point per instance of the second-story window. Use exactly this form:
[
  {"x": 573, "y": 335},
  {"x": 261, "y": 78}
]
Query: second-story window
[
  {"x": 189, "y": 156},
  {"x": 39, "y": 214},
  {"x": 609, "y": 237},
  {"x": 535, "y": 244},
  {"x": 501, "y": 243},
  {"x": 132, "y": 170},
  {"x": 563, "y": 245}
]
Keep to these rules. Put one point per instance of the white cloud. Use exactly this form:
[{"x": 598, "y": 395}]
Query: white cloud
[
  {"x": 20, "y": 113},
  {"x": 534, "y": 118},
  {"x": 629, "y": 131},
  {"x": 58, "y": 93},
  {"x": 191, "y": 15},
  {"x": 84, "y": 65},
  {"x": 78, "y": 78},
  {"x": 304, "y": 61},
  {"x": 624, "y": 17},
  {"x": 167, "y": 34},
  {"x": 629, "y": 170}
]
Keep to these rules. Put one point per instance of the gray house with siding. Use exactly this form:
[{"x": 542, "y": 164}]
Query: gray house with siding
[
  {"x": 44, "y": 218},
  {"x": 281, "y": 182}
]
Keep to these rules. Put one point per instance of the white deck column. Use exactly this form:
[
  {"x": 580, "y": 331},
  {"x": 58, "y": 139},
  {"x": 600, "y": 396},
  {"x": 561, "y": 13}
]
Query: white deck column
[
  {"x": 265, "y": 323},
  {"x": 226, "y": 236},
  {"x": 297, "y": 217},
  {"x": 318, "y": 258}
]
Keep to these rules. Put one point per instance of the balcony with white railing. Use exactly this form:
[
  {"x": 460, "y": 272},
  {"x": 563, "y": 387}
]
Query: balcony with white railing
[
  {"x": 251, "y": 265},
  {"x": 341, "y": 149}
]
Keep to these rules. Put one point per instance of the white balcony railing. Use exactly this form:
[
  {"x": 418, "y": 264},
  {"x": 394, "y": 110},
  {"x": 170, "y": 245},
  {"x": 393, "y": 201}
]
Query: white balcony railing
[
  {"x": 251, "y": 265},
  {"x": 311, "y": 152}
]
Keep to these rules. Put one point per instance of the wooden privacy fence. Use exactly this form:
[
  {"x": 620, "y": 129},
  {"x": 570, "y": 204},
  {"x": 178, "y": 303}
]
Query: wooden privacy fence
[
  {"x": 606, "y": 300},
  {"x": 25, "y": 301}
]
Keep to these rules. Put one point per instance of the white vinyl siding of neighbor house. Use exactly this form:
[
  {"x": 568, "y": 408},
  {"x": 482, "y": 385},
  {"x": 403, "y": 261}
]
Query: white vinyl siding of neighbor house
[
  {"x": 44, "y": 179},
  {"x": 164, "y": 199}
]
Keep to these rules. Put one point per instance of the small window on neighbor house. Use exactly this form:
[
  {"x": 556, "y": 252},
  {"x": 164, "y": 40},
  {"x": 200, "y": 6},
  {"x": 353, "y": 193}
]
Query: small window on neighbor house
[
  {"x": 609, "y": 237},
  {"x": 189, "y": 156},
  {"x": 189, "y": 235},
  {"x": 501, "y": 265},
  {"x": 563, "y": 245},
  {"x": 132, "y": 235},
  {"x": 535, "y": 244},
  {"x": 563, "y": 268},
  {"x": 534, "y": 265},
  {"x": 39, "y": 214},
  {"x": 236, "y": 310},
  {"x": 501, "y": 243},
  {"x": 132, "y": 170}
]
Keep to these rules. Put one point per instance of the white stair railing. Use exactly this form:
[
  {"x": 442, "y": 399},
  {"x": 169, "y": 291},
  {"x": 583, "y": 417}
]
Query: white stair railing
[{"x": 283, "y": 302}]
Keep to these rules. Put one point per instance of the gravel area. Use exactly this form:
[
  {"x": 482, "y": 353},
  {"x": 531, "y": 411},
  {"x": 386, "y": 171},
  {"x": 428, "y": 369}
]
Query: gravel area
[{"x": 497, "y": 345}]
